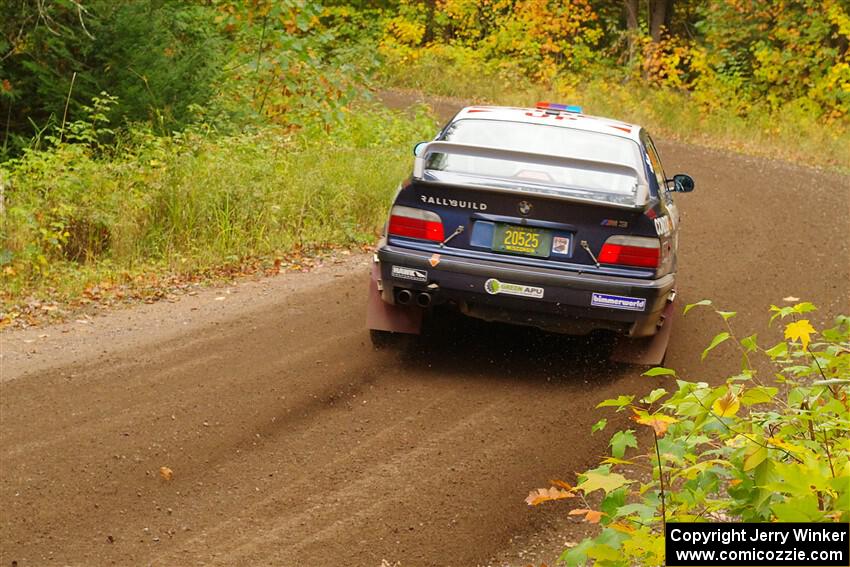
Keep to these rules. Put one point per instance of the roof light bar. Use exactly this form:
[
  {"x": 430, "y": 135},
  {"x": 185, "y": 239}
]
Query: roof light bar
[{"x": 563, "y": 107}]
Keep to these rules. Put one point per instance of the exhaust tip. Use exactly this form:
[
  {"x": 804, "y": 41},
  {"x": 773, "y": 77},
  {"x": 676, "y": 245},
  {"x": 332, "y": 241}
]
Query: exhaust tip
[
  {"x": 423, "y": 299},
  {"x": 404, "y": 296}
]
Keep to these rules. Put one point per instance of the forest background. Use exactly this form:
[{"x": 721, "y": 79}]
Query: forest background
[{"x": 144, "y": 141}]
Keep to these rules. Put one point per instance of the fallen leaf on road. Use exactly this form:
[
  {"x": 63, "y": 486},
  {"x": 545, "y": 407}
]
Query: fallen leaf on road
[{"x": 166, "y": 473}]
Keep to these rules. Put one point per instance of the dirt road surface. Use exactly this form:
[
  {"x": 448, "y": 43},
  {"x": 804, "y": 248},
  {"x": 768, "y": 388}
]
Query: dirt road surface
[{"x": 293, "y": 442}]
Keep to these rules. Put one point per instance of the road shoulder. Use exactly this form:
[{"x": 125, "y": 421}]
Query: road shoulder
[{"x": 87, "y": 337}]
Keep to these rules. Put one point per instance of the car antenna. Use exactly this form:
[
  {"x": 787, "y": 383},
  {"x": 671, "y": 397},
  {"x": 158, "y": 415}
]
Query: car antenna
[{"x": 589, "y": 252}]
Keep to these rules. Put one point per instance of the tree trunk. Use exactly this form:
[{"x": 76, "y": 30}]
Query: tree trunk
[
  {"x": 431, "y": 6},
  {"x": 2, "y": 195},
  {"x": 631, "y": 15},
  {"x": 658, "y": 17},
  {"x": 631, "y": 25}
]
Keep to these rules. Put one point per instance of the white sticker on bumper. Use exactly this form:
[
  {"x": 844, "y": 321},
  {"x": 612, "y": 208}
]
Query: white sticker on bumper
[
  {"x": 412, "y": 274},
  {"x": 494, "y": 287},
  {"x": 618, "y": 302}
]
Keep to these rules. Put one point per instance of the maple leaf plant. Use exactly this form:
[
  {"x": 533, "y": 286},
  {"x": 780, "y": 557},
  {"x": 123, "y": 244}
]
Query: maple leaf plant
[{"x": 771, "y": 443}]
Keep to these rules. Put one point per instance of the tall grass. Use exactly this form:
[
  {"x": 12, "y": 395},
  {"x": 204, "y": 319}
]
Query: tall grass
[
  {"x": 792, "y": 133},
  {"x": 195, "y": 199}
]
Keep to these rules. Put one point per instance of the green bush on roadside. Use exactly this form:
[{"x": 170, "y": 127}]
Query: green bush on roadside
[
  {"x": 771, "y": 443},
  {"x": 197, "y": 199}
]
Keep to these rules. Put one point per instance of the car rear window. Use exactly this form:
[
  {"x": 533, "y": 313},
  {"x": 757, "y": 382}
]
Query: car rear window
[{"x": 540, "y": 139}]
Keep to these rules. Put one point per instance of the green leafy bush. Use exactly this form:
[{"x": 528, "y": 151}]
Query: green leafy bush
[
  {"x": 772, "y": 443},
  {"x": 790, "y": 54},
  {"x": 196, "y": 198},
  {"x": 158, "y": 57}
]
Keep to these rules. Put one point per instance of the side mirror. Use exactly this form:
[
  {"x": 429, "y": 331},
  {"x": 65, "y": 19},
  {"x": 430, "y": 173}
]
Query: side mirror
[
  {"x": 682, "y": 183},
  {"x": 417, "y": 149}
]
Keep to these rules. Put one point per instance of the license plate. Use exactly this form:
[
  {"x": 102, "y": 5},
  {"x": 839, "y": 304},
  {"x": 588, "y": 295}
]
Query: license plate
[{"x": 516, "y": 239}]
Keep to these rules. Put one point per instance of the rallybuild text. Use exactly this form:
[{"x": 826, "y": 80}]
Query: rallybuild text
[{"x": 824, "y": 544}]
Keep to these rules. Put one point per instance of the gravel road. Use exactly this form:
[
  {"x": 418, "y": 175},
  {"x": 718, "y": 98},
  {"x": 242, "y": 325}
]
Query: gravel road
[{"x": 291, "y": 441}]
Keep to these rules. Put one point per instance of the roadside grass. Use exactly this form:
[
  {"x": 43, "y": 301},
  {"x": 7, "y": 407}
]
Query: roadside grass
[
  {"x": 196, "y": 201},
  {"x": 792, "y": 133}
]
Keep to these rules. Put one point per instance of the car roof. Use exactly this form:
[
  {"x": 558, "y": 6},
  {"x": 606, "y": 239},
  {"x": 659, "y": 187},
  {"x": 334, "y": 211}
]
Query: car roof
[{"x": 564, "y": 119}]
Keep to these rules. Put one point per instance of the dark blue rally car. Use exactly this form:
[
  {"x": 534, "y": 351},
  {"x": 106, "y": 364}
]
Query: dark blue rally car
[{"x": 534, "y": 216}]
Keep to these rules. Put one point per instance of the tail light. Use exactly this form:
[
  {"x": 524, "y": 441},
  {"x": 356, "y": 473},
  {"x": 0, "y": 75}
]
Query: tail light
[
  {"x": 416, "y": 223},
  {"x": 631, "y": 251}
]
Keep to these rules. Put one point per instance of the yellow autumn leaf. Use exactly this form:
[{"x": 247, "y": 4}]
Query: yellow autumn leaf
[
  {"x": 658, "y": 422},
  {"x": 621, "y": 527},
  {"x": 785, "y": 446},
  {"x": 727, "y": 405},
  {"x": 800, "y": 331},
  {"x": 166, "y": 473}
]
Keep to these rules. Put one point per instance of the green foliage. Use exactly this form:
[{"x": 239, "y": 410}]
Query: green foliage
[
  {"x": 538, "y": 37},
  {"x": 791, "y": 55},
  {"x": 288, "y": 68},
  {"x": 769, "y": 444},
  {"x": 191, "y": 133},
  {"x": 463, "y": 73},
  {"x": 171, "y": 64},
  {"x": 158, "y": 57},
  {"x": 764, "y": 77},
  {"x": 196, "y": 198},
  {"x": 240, "y": 130}
]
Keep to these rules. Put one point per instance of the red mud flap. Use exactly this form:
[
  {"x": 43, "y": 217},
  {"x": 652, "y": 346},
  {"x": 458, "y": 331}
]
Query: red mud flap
[
  {"x": 381, "y": 316},
  {"x": 648, "y": 351}
]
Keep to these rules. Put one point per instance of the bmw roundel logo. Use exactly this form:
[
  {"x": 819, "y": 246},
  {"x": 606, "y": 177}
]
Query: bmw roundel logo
[{"x": 525, "y": 208}]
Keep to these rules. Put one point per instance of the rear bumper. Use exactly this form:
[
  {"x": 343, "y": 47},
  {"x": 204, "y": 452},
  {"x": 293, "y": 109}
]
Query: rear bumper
[{"x": 568, "y": 302}]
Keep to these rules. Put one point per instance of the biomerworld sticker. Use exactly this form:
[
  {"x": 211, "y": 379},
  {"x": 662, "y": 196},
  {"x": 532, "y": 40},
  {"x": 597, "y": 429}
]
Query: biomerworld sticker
[
  {"x": 618, "y": 302},
  {"x": 494, "y": 287}
]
